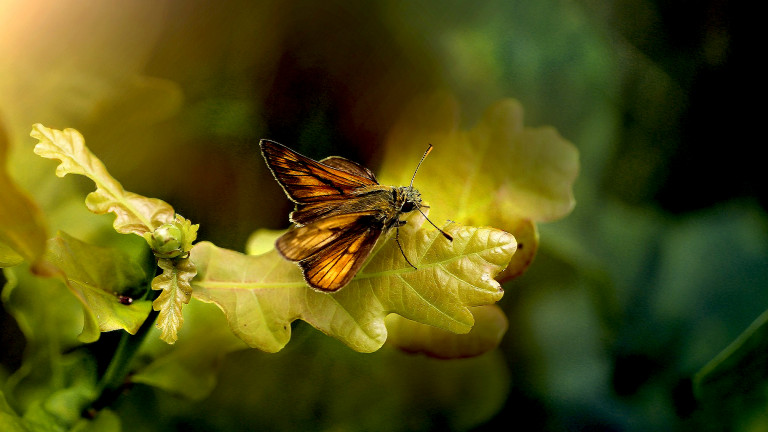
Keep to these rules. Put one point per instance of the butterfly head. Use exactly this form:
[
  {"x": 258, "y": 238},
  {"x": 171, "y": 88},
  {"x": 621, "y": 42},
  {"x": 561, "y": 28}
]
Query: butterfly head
[{"x": 411, "y": 199}]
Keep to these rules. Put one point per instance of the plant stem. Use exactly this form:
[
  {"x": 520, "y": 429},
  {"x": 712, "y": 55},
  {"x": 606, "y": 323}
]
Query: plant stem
[{"x": 113, "y": 380}]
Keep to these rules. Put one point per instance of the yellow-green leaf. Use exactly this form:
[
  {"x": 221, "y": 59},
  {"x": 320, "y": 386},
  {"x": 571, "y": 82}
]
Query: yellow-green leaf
[
  {"x": 261, "y": 295},
  {"x": 96, "y": 276},
  {"x": 135, "y": 214},
  {"x": 176, "y": 292}
]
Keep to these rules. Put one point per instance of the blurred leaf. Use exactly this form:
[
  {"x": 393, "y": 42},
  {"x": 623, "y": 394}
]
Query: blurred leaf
[
  {"x": 50, "y": 318},
  {"x": 414, "y": 337},
  {"x": 63, "y": 407},
  {"x": 105, "y": 421},
  {"x": 711, "y": 277},
  {"x": 734, "y": 383},
  {"x": 190, "y": 368},
  {"x": 339, "y": 389},
  {"x": 716, "y": 262},
  {"x": 22, "y": 228},
  {"x": 262, "y": 241},
  {"x": 58, "y": 406},
  {"x": 496, "y": 173},
  {"x": 9, "y": 420},
  {"x": 136, "y": 102},
  {"x": 96, "y": 276},
  {"x": 9, "y": 257},
  {"x": 135, "y": 214},
  {"x": 176, "y": 292},
  {"x": 261, "y": 295},
  {"x": 527, "y": 235}
]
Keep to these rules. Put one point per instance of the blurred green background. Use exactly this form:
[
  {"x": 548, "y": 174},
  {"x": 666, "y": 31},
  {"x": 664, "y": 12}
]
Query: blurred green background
[{"x": 663, "y": 262}]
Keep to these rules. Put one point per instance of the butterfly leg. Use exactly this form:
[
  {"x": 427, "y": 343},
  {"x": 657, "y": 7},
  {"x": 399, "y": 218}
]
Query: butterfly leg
[{"x": 398, "y": 224}]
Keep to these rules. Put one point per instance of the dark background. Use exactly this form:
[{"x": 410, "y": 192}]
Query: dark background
[{"x": 661, "y": 265}]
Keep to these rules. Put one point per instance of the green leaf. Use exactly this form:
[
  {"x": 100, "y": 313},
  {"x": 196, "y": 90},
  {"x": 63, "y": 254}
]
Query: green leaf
[
  {"x": 261, "y": 295},
  {"x": 22, "y": 228},
  {"x": 176, "y": 292},
  {"x": 414, "y": 337},
  {"x": 135, "y": 214},
  {"x": 96, "y": 276}
]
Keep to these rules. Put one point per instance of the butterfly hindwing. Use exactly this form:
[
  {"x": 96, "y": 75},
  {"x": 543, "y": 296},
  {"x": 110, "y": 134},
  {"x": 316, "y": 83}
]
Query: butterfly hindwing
[
  {"x": 331, "y": 250},
  {"x": 306, "y": 181},
  {"x": 302, "y": 242}
]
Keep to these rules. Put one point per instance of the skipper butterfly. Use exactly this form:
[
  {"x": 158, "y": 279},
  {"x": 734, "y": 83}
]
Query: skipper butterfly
[{"x": 341, "y": 211}]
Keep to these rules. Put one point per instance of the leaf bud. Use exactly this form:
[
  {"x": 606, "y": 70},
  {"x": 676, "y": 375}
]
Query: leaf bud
[{"x": 173, "y": 239}]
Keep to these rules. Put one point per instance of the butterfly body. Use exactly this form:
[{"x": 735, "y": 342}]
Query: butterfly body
[{"x": 341, "y": 211}]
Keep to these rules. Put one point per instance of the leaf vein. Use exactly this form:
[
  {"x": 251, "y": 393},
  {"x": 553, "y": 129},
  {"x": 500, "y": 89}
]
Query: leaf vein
[{"x": 432, "y": 305}]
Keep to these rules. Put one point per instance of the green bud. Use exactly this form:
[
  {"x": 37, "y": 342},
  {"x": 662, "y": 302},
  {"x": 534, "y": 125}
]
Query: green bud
[
  {"x": 167, "y": 241},
  {"x": 173, "y": 239}
]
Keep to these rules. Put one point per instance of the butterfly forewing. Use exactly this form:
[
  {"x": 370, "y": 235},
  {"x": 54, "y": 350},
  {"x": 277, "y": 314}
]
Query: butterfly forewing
[
  {"x": 305, "y": 180},
  {"x": 349, "y": 166}
]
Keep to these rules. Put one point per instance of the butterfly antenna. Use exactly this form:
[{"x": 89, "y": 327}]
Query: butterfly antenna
[
  {"x": 429, "y": 149},
  {"x": 445, "y": 234}
]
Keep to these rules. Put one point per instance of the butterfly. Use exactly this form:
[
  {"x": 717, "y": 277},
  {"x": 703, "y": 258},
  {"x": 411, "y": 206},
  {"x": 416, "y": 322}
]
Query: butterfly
[{"x": 341, "y": 211}]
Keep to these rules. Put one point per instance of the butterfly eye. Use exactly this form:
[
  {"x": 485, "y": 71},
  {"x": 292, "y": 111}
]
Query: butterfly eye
[{"x": 408, "y": 206}]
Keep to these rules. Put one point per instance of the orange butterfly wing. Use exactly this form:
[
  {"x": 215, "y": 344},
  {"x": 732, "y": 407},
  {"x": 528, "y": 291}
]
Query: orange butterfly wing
[
  {"x": 331, "y": 250},
  {"x": 307, "y": 181}
]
